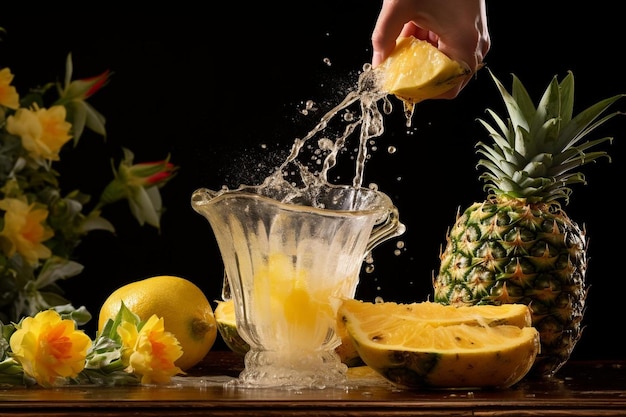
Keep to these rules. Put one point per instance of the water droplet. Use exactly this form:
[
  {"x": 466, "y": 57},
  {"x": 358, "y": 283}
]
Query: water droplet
[
  {"x": 379, "y": 300},
  {"x": 327, "y": 61},
  {"x": 369, "y": 269},
  {"x": 397, "y": 252},
  {"x": 391, "y": 149},
  {"x": 400, "y": 244},
  {"x": 325, "y": 144}
]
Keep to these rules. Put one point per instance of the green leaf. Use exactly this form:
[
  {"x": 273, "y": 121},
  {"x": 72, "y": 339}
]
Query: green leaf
[
  {"x": 124, "y": 314},
  {"x": 56, "y": 268},
  {"x": 80, "y": 315}
]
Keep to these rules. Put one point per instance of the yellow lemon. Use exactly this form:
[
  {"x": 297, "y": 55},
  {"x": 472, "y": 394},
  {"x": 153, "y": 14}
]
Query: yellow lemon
[
  {"x": 185, "y": 310},
  {"x": 453, "y": 349},
  {"x": 416, "y": 70}
]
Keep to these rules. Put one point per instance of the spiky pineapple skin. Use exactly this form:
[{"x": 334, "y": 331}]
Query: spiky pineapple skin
[{"x": 505, "y": 250}]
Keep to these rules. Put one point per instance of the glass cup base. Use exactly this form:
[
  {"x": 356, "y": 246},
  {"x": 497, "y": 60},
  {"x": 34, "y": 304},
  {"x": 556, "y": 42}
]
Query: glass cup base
[{"x": 294, "y": 370}]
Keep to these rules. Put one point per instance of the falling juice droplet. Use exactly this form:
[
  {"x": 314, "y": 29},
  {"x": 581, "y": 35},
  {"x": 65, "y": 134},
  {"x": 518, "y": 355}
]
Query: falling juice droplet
[
  {"x": 379, "y": 299},
  {"x": 327, "y": 61},
  {"x": 409, "y": 109},
  {"x": 391, "y": 149}
]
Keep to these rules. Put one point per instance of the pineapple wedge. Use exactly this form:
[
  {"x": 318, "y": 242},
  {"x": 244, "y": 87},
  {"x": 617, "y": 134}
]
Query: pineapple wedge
[{"x": 416, "y": 71}]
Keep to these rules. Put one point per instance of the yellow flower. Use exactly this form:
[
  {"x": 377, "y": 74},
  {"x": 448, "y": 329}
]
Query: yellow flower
[
  {"x": 49, "y": 348},
  {"x": 43, "y": 131},
  {"x": 8, "y": 94},
  {"x": 151, "y": 351},
  {"x": 25, "y": 230}
]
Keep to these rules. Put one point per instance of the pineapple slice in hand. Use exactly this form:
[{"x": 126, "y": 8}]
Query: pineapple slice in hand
[{"x": 416, "y": 71}]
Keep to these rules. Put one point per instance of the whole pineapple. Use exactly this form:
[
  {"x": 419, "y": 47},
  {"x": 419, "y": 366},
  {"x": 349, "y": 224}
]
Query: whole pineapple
[{"x": 519, "y": 245}]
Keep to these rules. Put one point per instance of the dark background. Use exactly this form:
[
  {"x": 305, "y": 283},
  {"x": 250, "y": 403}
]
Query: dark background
[{"x": 210, "y": 85}]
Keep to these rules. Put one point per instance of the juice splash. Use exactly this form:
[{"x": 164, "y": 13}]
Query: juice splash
[
  {"x": 306, "y": 169},
  {"x": 304, "y": 182}
]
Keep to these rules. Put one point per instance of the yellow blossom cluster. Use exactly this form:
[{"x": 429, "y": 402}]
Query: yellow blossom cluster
[
  {"x": 40, "y": 226},
  {"x": 52, "y": 351},
  {"x": 43, "y": 133}
]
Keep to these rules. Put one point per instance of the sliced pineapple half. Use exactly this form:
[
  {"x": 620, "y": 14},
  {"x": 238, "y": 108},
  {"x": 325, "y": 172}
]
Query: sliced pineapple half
[
  {"x": 416, "y": 71},
  {"x": 414, "y": 350}
]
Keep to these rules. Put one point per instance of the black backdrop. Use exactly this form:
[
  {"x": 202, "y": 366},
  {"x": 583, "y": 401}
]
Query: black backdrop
[{"x": 210, "y": 85}]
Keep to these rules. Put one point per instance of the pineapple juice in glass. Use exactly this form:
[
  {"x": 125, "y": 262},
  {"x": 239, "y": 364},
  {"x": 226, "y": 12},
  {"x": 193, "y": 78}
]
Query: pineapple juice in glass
[{"x": 290, "y": 258}]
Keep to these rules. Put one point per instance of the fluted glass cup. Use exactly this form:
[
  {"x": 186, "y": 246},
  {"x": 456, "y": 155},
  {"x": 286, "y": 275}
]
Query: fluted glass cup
[{"x": 288, "y": 266}]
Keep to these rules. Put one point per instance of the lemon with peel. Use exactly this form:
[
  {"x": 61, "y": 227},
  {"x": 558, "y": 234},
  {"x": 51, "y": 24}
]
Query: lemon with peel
[
  {"x": 416, "y": 70},
  {"x": 439, "y": 353},
  {"x": 185, "y": 310}
]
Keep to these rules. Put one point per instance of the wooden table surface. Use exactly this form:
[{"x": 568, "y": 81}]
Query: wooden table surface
[{"x": 580, "y": 388}]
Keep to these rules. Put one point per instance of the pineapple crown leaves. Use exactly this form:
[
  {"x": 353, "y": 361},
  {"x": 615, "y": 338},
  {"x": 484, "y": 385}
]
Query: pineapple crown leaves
[{"x": 535, "y": 151}]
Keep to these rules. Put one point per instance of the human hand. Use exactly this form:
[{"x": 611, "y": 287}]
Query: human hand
[{"x": 458, "y": 28}]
